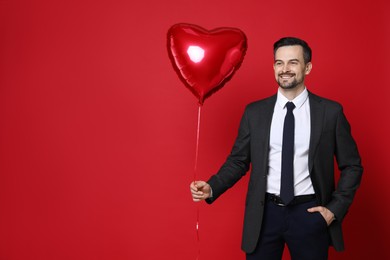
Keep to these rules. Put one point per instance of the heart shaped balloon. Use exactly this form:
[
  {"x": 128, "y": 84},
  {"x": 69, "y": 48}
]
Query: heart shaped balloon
[{"x": 205, "y": 60}]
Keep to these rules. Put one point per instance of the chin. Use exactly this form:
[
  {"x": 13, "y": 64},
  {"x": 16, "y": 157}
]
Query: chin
[{"x": 289, "y": 86}]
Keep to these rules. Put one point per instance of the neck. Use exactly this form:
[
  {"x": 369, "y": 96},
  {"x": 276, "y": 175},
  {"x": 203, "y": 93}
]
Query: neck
[{"x": 290, "y": 94}]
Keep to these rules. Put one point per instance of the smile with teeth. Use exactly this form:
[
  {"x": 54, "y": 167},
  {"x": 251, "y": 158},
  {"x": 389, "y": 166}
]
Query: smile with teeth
[{"x": 286, "y": 76}]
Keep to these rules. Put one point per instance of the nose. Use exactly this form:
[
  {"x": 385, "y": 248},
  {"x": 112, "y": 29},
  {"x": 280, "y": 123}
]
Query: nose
[{"x": 286, "y": 68}]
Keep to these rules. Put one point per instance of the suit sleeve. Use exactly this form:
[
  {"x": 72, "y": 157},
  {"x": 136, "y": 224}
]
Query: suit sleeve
[
  {"x": 237, "y": 163},
  {"x": 349, "y": 164}
]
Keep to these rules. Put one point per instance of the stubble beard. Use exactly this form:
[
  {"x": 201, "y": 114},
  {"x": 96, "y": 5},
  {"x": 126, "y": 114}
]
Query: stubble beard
[{"x": 286, "y": 85}]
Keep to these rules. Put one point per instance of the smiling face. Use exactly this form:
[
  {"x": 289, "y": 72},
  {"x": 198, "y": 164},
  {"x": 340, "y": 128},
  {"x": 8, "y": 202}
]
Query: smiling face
[{"x": 290, "y": 68}]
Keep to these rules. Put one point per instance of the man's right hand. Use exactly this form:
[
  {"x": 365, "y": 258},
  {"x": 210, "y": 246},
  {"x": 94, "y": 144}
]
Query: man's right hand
[{"x": 200, "y": 190}]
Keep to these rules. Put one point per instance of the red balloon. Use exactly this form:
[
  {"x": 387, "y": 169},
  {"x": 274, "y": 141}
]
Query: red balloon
[{"x": 205, "y": 60}]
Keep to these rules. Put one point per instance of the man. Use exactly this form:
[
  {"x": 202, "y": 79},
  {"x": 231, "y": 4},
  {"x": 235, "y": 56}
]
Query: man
[{"x": 290, "y": 140}]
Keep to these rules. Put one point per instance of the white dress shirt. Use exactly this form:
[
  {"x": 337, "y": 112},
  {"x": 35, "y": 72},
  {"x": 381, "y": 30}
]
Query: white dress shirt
[{"x": 302, "y": 181}]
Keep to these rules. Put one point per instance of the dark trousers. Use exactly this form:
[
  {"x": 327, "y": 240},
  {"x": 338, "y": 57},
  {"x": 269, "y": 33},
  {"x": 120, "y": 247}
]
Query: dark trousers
[{"x": 305, "y": 233}]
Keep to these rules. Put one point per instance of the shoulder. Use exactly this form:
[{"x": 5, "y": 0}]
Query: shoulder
[
  {"x": 328, "y": 103},
  {"x": 260, "y": 110},
  {"x": 262, "y": 103}
]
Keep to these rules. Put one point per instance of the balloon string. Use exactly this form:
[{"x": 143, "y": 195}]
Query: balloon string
[
  {"x": 197, "y": 231},
  {"x": 195, "y": 176},
  {"x": 197, "y": 142}
]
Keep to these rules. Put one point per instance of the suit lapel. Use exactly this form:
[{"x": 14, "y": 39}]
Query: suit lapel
[
  {"x": 267, "y": 114},
  {"x": 262, "y": 126},
  {"x": 316, "y": 118},
  {"x": 265, "y": 118}
]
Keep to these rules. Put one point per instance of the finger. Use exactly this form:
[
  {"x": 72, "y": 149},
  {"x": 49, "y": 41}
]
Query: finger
[
  {"x": 197, "y": 198},
  {"x": 315, "y": 209},
  {"x": 200, "y": 184},
  {"x": 197, "y": 193},
  {"x": 197, "y": 185},
  {"x": 193, "y": 188}
]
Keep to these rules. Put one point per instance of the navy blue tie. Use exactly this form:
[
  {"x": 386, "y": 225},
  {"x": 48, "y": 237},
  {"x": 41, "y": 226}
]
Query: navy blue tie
[{"x": 287, "y": 178}]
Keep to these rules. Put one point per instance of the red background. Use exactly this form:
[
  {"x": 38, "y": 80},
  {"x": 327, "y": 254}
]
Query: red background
[{"x": 97, "y": 133}]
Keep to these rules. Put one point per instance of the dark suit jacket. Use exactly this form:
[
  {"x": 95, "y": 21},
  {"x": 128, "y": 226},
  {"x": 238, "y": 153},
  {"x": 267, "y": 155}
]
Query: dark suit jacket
[{"x": 330, "y": 138}]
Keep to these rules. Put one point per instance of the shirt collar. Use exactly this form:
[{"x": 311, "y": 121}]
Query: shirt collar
[{"x": 298, "y": 101}]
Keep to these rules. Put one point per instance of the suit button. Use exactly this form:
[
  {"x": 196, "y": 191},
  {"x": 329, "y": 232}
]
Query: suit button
[
  {"x": 262, "y": 203},
  {"x": 265, "y": 176}
]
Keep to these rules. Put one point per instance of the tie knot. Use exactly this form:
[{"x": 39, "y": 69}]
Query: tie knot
[{"x": 290, "y": 106}]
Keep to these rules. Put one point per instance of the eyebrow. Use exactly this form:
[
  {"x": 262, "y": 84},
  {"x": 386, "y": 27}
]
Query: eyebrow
[{"x": 287, "y": 61}]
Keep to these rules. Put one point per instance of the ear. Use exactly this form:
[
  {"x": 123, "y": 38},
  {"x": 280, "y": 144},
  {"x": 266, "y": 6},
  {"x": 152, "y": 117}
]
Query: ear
[{"x": 308, "y": 68}]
